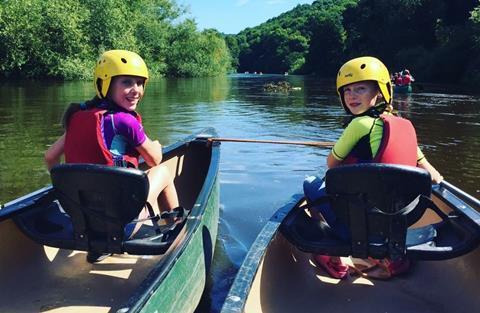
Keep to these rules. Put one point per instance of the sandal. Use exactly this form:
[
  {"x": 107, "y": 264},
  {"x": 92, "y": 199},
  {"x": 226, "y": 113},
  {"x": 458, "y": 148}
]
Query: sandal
[
  {"x": 334, "y": 269},
  {"x": 361, "y": 266},
  {"x": 397, "y": 267},
  {"x": 383, "y": 269},
  {"x": 370, "y": 268}
]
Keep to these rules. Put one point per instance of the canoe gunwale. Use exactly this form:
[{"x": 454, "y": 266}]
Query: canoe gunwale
[
  {"x": 458, "y": 198},
  {"x": 19, "y": 205}
]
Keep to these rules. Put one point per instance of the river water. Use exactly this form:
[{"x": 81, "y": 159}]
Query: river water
[{"x": 255, "y": 179}]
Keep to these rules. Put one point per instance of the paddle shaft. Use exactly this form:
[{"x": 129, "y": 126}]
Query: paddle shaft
[{"x": 324, "y": 144}]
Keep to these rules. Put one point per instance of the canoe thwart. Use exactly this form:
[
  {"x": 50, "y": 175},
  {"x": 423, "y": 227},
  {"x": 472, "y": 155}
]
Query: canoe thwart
[
  {"x": 95, "y": 205},
  {"x": 376, "y": 204},
  {"x": 323, "y": 144}
]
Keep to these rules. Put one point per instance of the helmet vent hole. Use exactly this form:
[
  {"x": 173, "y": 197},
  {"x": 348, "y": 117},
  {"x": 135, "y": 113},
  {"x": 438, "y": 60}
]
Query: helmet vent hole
[
  {"x": 124, "y": 61},
  {"x": 363, "y": 66}
]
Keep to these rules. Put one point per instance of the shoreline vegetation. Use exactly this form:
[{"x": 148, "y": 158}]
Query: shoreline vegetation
[
  {"x": 62, "y": 39},
  {"x": 439, "y": 41}
]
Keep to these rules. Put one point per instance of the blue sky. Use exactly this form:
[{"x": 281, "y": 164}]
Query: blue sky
[{"x": 232, "y": 16}]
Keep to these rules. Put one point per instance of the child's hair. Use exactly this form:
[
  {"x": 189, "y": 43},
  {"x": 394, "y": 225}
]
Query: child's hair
[
  {"x": 389, "y": 108},
  {"x": 383, "y": 107},
  {"x": 75, "y": 107}
]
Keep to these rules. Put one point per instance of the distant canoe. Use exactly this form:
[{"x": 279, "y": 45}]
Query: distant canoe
[
  {"x": 170, "y": 277},
  {"x": 278, "y": 274},
  {"x": 402, "y": 89}
]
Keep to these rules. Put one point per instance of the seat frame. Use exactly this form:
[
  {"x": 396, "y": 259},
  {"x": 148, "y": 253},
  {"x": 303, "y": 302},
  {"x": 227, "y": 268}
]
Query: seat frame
[
  {"x": 89, "y": 207},
  {"x": 377, "y": 203}
]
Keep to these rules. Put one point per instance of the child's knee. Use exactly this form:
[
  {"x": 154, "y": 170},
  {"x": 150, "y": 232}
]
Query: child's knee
[{"x": 161, "y": 172}]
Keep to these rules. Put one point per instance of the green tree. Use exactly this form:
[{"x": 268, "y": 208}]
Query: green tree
[
  {"x": 328, "y": 36},
  {"x": 422, "y": 35},
  {"x": 309, "y": 38},
  {"x": 196, "y": 54},
  {"x": 39, "y": 39},
  {"x": 472, "y": 73},
  {"x": 62, "y": 39},
  {"x": 232, "y": 44}
]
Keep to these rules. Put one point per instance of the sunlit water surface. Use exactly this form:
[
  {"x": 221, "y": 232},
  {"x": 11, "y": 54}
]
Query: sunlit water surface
[{"x": 255, "y": 179}]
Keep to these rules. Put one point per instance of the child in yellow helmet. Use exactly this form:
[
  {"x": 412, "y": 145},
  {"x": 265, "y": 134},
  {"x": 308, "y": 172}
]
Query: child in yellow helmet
[
  {"x": 117, "y": 137},
  {"x": 365, "y": 91}
]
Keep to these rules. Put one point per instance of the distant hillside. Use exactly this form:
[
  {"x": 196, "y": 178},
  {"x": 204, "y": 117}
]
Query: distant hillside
[
  {"x": 284, "y": 43},
  {"x": 436, "y": 39}
]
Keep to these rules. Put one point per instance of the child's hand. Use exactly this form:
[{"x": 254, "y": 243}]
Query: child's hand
[
  {"x": 436, "y": 177},
  {"x": 156, "y": 144},
  {"x": 434, "y": 174},
  {"x": 151, "y": 151}
]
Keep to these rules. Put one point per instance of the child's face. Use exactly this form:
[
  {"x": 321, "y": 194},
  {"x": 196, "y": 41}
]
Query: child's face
[
  {"x": 127, "y": 91},
  {"x": 361, "y": 96}
]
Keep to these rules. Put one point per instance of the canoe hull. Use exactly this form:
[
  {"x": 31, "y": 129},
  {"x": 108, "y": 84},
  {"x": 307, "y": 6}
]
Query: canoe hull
[
  {"x": 455, "y": 286},
  {"x": 40, "y": 278},
  {"x": 277, "y": 277},
  {"x": 182, "y": 287},
  {"x": 402, "y": 89}
]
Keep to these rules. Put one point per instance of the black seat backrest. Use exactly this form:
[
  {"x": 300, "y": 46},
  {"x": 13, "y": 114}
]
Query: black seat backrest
[
  {"x": 100, "y": 200},
  {"x": 377, "y": 203}
]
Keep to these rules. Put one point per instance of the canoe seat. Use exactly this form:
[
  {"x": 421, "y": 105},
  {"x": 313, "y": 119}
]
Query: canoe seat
[
  {"x": 377, "y": 203},
  {"x": 95, "y": 203}
]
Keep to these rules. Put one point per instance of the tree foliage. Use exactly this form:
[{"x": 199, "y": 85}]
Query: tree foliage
[
  {"x": 204, "y": 54},
  {"x": 302, "y": 40},
  {"x": 63, "y": 38}
]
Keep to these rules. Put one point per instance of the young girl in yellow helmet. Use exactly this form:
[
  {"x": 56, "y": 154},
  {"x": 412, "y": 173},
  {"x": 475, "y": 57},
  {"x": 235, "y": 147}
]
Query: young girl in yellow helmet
[
  {"x": 107, "y": 129},
  {"x": 373, "y": 134}
]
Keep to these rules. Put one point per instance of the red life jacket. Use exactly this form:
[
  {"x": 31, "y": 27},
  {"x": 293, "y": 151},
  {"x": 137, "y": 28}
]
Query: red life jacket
[
  {"x": 84, "y": 141},
  {"x": 398, "y": 81},
  {"x": 406, "y": 80},
  {"x": 398, "y": 146}
]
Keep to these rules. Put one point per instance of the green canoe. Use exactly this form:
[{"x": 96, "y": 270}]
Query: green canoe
[
  {"x": 163, "y": 269},
  {"x": 279, "y": 274},
  {"x": 402, "y": 89}
]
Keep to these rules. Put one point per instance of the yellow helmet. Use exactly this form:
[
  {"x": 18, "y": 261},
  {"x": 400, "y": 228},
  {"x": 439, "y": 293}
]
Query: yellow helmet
[
  {"x": 114, "y": 63},
  {"x": 365, "y": 68}
]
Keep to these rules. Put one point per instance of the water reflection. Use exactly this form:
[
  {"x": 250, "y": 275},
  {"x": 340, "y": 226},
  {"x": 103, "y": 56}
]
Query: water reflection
[{"x": 401, "y": 104}]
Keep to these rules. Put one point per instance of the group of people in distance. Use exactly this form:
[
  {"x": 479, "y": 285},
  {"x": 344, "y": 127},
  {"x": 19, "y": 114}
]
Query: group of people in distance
[
  {"x": 403, "y": 78},
  {"x": 117, "y": 137}
]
